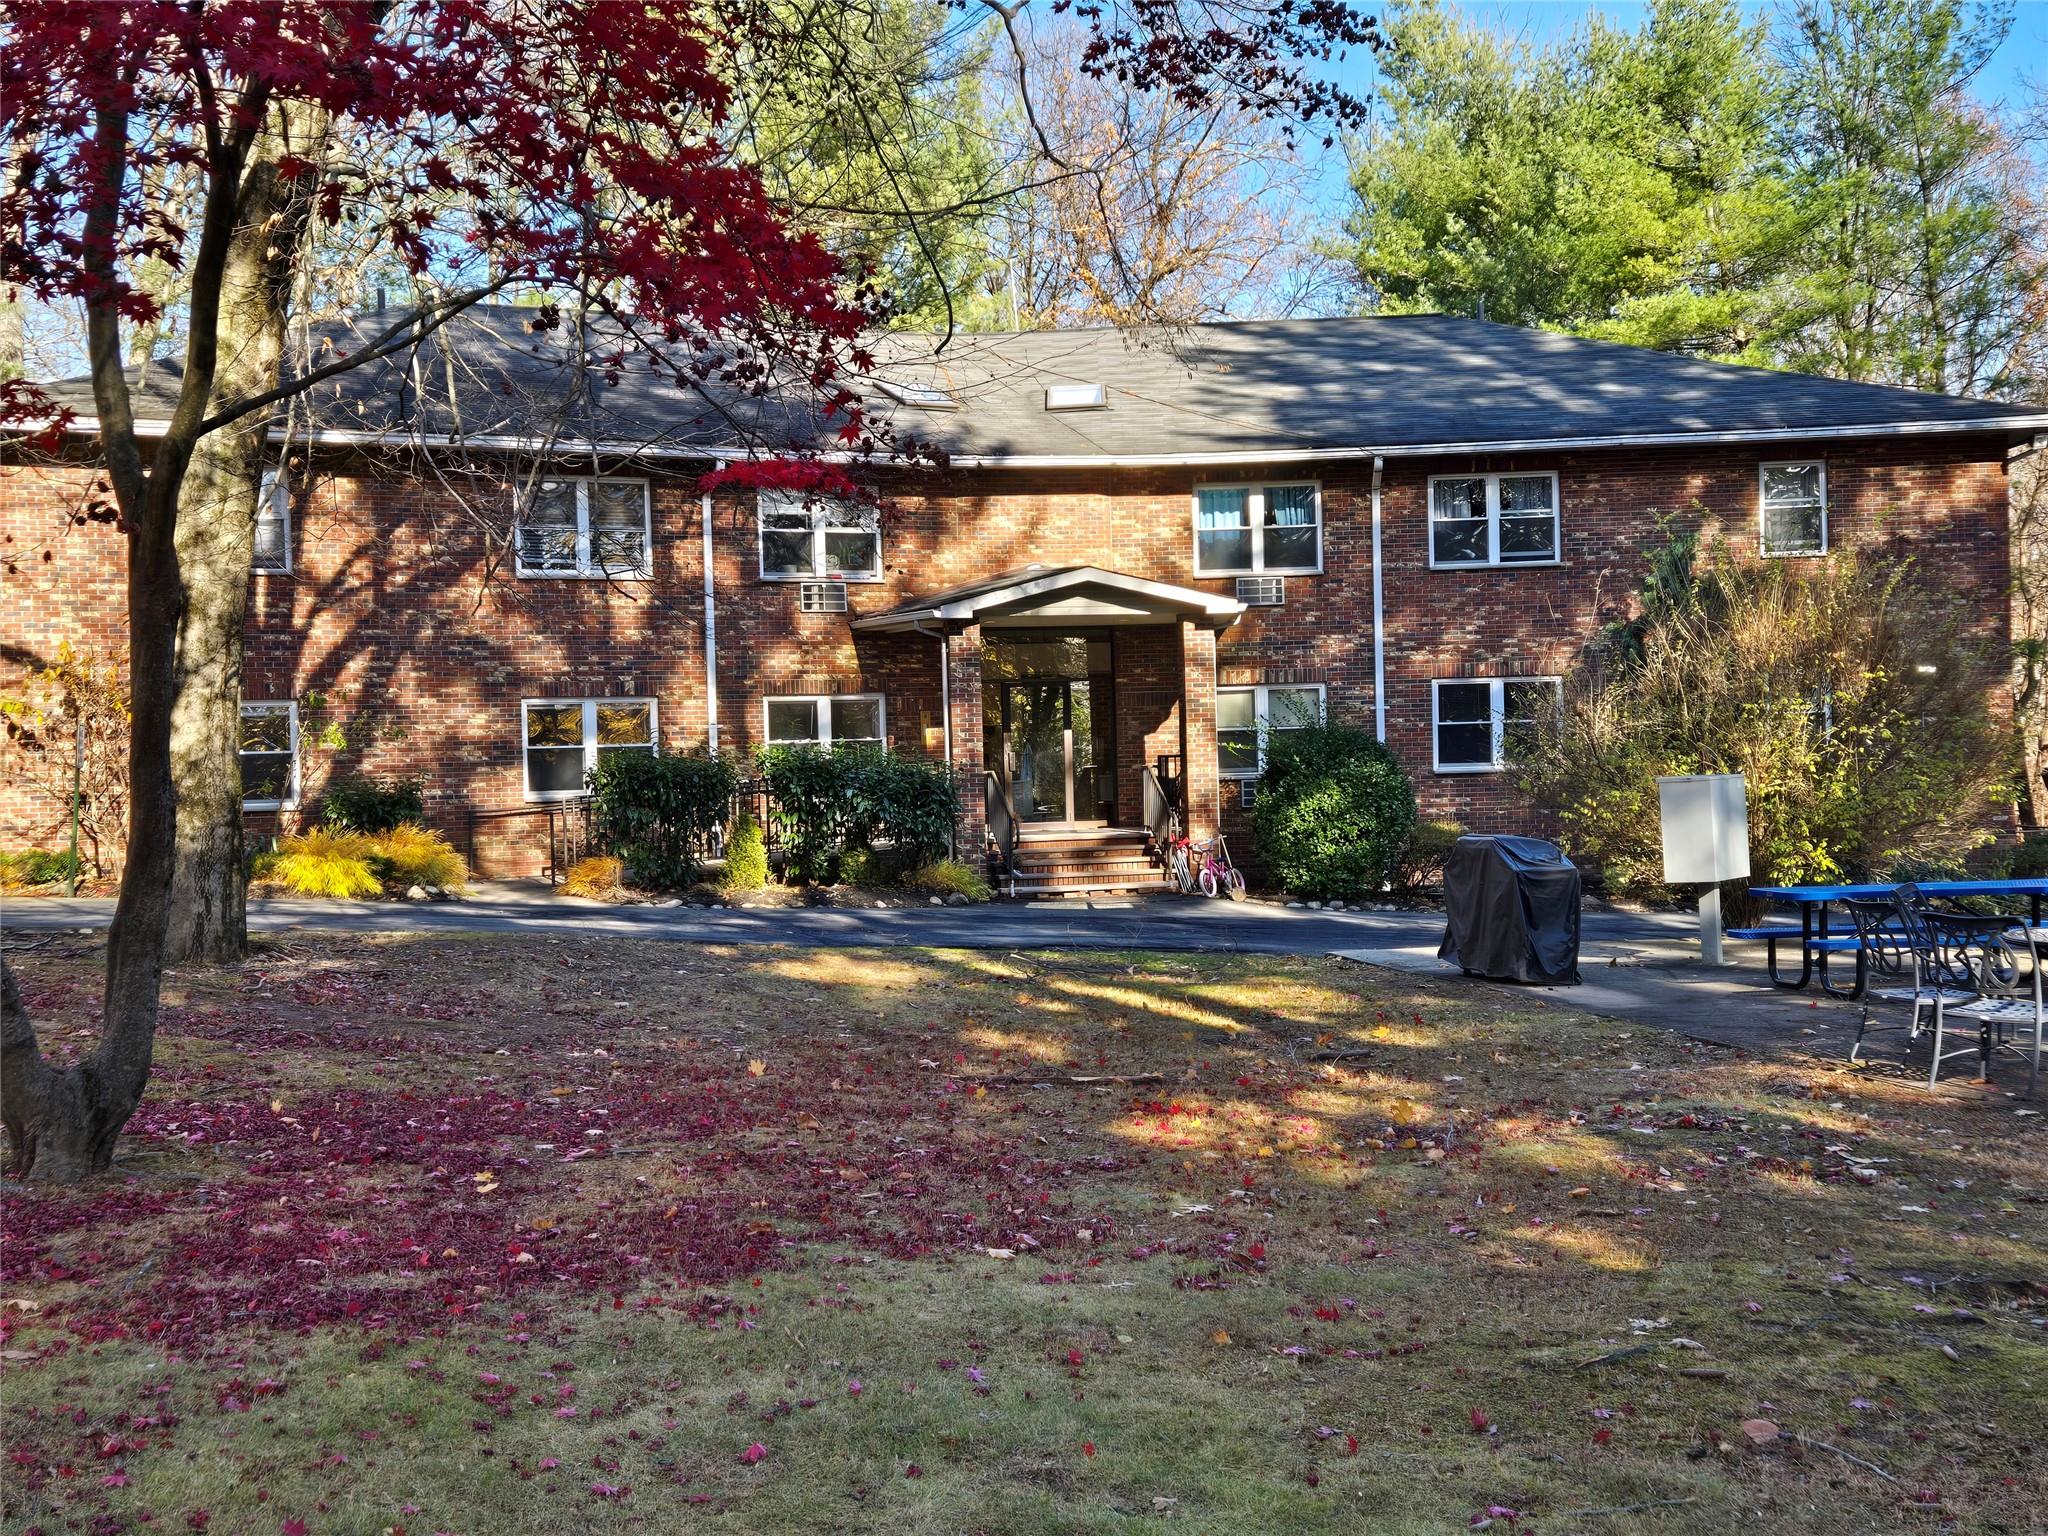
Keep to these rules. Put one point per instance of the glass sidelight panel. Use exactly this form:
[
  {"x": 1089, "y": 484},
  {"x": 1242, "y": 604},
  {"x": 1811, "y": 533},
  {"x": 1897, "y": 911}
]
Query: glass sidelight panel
[{"x": 1038, "y": 742}]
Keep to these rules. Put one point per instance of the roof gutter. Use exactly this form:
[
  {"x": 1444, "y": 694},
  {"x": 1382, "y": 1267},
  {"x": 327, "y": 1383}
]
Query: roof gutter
[{"x": 2026, "y": 422}]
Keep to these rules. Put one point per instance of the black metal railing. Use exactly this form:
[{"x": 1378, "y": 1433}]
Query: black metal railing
[{"x": 568, "y": 829}]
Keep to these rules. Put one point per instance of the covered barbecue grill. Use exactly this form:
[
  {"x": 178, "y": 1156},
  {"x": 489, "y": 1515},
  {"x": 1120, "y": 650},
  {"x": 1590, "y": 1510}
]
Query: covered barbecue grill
[{"x": 1513, "y": 904}]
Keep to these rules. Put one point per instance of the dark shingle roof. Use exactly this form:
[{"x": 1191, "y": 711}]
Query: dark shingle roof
[{"x": 1268, "y": 389}]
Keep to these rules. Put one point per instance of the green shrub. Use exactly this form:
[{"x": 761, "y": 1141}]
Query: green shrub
[
  {"x": 746, "y": 856},
  {"x": 33, "y": 867},
  {"x": 948, "y": 877},
  {"x": 1854, "y": 698},
  {"x": 1420, "y": 863},
  {"x": 660, "y": 813},
  {"x": 2029, "y": 861},
  {"x": 411, "y": 855},
  {"x": 1333, "y": 813},
  {"x": 858, "y": 798},
  {"x": 326, "y": 863},
  {"x": 364, "y": 804}
]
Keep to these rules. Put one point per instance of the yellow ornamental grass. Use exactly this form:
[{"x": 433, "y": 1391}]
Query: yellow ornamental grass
[
  {"x": 324, "y": 863},
  {"x": 597, "y": 878},
  {"x": 411, "y": 855}
]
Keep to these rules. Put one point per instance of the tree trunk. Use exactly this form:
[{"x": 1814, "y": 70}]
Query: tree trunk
[{"x": 216, "y": 530}]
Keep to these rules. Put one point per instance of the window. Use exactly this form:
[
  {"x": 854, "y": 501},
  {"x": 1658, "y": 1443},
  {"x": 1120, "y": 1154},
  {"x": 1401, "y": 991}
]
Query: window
[
  {"x": 1481, "y": 723},
  {"x": 270, "y": 756},
  {"x": 1793, "y": 508},
  {"x": 1492, "y": 520},
  {"x": 822, "y": 541},
  {"x": 272, "y": 550},
  {"x": 1246, "y": 719},
  {"x": 571, "y": 527},
  {"x": 1247, "y": 528},
  {"x": 826, "y": 720},
  {"x": 564, "y": 738}
]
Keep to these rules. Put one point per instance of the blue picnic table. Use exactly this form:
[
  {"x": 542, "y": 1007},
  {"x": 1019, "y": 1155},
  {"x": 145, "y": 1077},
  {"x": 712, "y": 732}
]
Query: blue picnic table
[{"x": 1817, "y": 940}]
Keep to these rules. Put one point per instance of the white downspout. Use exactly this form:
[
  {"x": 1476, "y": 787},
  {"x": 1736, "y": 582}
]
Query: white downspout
[
  {"x": 1379, "y": 616},
  {"x": 710, "y": 626},
  {"x": 945, "y": 711}
]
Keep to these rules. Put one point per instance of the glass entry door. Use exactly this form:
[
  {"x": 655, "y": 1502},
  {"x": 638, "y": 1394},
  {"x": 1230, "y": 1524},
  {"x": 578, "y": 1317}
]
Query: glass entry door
[{"x": 1048, "y": 749}]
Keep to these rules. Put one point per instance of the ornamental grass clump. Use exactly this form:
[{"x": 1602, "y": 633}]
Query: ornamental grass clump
[
  {"x": 948, "y": 877},
  {"x": 325, "y": 863},
  {"x": 598, "y": 878},
  {"x": 409, "y": 855}
]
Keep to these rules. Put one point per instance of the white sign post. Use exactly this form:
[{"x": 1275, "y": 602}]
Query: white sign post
[{"x": 1706, "y": 841}]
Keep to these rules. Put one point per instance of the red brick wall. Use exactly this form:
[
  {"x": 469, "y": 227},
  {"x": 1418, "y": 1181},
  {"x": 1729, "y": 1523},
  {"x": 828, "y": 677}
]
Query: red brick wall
[{"x": 417, "y": 654}]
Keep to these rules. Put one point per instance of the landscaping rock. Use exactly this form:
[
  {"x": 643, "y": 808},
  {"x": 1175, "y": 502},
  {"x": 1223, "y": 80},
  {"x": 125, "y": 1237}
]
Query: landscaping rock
[
  {"x": 415, "y": 893},
  {"x": 957, "y": 899},
  {"x": 938, "y": 901}
]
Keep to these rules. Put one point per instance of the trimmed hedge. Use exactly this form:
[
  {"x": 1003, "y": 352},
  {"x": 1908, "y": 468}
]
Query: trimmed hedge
[
  {"x": 826, "y": 801},
  {"x": 364, "y": 804},
  {"x": 660, "y": 813},
  {"x": 1334, "y": 812}
]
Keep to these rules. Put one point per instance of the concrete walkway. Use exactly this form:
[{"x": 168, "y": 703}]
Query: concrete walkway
[{"x": 1637, "y": 966}]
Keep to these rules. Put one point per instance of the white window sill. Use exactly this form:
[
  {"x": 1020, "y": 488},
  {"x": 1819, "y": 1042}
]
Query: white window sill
[
  {"x": 1465, "y": 768},
  {"x": 1270, "y": 570},
  {"x": 640, "y": 575},
  {"x": 1794, "y": 554},
  {"x": 270, "y": 805},
  {"x": 270, "y": 570},
  {"x": 1498, "y": 565},
  {"x": 555, "y": 796},
  {"x": 851, "y": 581}
]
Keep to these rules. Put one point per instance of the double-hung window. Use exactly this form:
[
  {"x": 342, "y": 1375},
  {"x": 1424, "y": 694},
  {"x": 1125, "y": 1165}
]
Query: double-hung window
[
  {"x": 585, "y": 527},
  {"x": 1478, "y": 520},
  {"x": 1793, "y": 508},
  {"x": 825, "y": 720},
  {"x": 1482, "y": 724},
  {"x": 825, "y": 540},
  {"x": 1240, "y": 529},
  {"x": 272, "y": 550},
  {"x": 564, "y": 738},
  {"x": 1248, "y": 718},
  {"x": 269, "y": 751}
]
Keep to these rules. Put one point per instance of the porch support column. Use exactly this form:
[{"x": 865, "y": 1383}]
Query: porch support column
[
  {"x": 1198, "y": 726},
  {"x": 963, "y": 682}
]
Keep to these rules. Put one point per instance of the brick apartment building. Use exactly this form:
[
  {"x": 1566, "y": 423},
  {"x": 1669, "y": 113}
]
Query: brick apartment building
[{"x": 1134, "y": 556}]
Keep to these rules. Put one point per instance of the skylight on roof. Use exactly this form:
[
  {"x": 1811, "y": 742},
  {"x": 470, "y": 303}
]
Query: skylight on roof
[
  {"x": 1076, "y": 397},
  {"x": 924, "y": 397}
]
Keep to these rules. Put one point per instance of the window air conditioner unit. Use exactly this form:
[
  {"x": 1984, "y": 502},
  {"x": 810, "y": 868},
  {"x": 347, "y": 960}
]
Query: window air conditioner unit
[
  {"x": 1247, "y": 793},
  {"x": 1262, "y": 591},
  {"x": 821, "y": 597}
]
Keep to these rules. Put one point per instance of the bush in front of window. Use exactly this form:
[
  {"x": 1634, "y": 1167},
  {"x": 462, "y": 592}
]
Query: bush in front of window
[
  {"x": 829, "y": 800},
  {"x": 661, "y": 814},
  {"x": 365, "y": 804},
  {"x": 1333, "y": 813},
  {"x": 410, "y": 855},
  {"x": 1853, "y": 695},
  {"x": 324, "y": 862}
]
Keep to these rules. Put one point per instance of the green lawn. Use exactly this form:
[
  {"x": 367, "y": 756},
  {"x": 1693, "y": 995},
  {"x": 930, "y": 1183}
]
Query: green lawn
[{"x": 491, "y": 1236}]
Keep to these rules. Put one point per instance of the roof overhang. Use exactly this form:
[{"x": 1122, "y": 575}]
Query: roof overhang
[{"x": 1079, "y": 597}]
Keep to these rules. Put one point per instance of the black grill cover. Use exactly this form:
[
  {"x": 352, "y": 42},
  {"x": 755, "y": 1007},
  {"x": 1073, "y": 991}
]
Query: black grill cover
[{"x": 1513, "y": 904}]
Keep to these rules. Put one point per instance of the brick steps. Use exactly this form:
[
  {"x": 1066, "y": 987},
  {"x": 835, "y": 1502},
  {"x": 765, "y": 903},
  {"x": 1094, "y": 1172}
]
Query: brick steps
[{"x": 1073, "y": 861}]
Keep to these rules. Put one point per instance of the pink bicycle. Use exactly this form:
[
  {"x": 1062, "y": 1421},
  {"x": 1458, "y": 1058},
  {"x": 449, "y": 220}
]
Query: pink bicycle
[{"x": 1216, "y": 873}]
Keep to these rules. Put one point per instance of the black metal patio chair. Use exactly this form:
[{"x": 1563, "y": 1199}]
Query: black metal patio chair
[{"x": 1983, "y": 969}]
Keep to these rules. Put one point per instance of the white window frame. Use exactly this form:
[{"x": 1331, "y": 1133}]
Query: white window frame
[
  {"x": 1497, "y": 708},
  {"x": 1763, "y": 525},
  {"x": 589, "y": 741},
  {"x": 586, "y": 568},
  {"x": 274, "y": 491},
  {"x": 1262, "y": 715},
  {"x": 1493, "y": 560},
  {"x": 820, "y": 513},
  {"x": 826, "y": 736},
  {"x": 291, "y": 709},
  {"x": 1255, "y": 509}
]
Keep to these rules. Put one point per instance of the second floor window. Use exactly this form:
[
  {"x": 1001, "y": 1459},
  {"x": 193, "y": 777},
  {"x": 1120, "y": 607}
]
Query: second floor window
[
  {"x": 584, "y": 527},
  {"x": 818, "y": 541},
  {"x": 1479, "y": 520},
  {"x": 272, "y": 550},
  {"x": 1246, "y": 528}
]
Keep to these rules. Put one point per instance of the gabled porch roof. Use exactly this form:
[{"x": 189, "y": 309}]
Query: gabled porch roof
[{"x": 1040, "y": 597}]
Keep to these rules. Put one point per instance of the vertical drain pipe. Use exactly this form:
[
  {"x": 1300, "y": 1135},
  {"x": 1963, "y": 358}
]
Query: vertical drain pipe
[
  {"x": 1379, "y": 615},
  {"x": 710, "y": 625},
  {"x": 945, "y": 714}
]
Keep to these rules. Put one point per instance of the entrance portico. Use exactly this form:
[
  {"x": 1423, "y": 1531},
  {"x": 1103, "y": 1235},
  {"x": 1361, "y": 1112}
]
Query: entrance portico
[{"x": 1064, "y": 687}]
